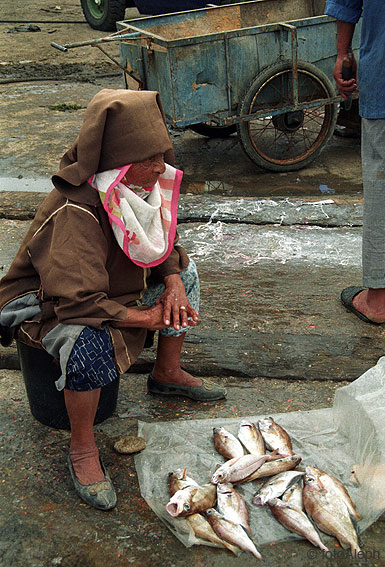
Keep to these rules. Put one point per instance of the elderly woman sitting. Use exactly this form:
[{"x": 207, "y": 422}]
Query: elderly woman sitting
[{"x": 101, "y": 265}]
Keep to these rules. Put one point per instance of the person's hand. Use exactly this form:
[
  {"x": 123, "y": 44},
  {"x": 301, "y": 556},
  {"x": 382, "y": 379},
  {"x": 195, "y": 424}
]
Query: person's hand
[
  {"x": 154, "y": 318},
  {"x": 345, "y": 88},
  {"x": 144, "y": 317},
  {"x": 177, "y": 310}
]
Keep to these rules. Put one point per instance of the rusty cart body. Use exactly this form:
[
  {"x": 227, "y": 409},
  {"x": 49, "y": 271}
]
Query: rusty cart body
[{"x": 263, "y": 68}]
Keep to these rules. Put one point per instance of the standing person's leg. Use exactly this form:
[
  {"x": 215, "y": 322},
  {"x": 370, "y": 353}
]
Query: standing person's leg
[
  {"x": 368, "y": 302},
  {"x": 167, "y": 376}
]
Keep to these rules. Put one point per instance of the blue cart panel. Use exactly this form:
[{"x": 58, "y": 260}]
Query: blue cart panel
[
  {"x": 262, "y": 68},
  {"x": 203, "y": 61}
]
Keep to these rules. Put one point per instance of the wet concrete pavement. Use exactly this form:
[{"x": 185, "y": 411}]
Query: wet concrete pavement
[
  {"x": 45, "y": 523},
  {"x": 272, "y": 329},
  {"x": 215, "y": 166},
  {"x": 273, "y": 252}
]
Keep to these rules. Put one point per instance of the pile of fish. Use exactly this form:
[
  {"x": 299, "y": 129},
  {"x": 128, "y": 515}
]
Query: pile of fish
[{"x": 300, "y": 500}]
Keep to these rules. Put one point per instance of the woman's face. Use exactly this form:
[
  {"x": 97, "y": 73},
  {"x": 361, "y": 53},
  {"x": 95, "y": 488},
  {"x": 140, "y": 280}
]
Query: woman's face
[{"x": 145, "y": 173}]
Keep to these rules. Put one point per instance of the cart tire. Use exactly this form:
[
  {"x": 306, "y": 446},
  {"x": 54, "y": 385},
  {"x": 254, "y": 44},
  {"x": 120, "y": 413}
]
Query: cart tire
[
  {"x": 103, "y": 14},
  {"x": 213, "y": 131},
  {"x": 291, "y": 140}
]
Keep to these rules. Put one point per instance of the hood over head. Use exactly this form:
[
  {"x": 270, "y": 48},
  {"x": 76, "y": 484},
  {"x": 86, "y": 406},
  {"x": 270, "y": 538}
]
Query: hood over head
[{"x": 119, "y": 127}]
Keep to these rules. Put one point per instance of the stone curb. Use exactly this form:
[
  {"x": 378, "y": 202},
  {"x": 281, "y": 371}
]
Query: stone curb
[{"x": 330, "y": 212}]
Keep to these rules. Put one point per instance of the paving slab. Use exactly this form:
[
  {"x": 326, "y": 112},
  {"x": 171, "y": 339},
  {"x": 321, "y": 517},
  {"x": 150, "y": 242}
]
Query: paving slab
[{"x": 269, "y": 297}]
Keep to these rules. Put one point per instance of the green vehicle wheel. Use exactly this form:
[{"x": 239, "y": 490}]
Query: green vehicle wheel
[{"x": 103, "y": 14}]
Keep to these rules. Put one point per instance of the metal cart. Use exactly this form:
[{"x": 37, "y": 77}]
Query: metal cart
[{"x": 261, "y": 68}]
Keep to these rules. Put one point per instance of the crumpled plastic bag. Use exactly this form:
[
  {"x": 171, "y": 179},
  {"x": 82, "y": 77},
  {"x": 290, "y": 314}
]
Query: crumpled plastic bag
[{"x": 346, "y": 440}]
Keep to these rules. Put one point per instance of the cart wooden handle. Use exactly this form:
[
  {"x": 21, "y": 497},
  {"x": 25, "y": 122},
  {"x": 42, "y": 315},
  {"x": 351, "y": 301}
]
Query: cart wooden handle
[{"x": 96, "y": 42}]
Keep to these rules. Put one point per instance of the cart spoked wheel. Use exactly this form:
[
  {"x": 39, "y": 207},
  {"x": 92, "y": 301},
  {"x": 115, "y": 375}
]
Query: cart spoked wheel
[
  {"x": 103, "y": 14},
  {"x": 213, "y": 130},
  {"x": 289, "y": 140}
]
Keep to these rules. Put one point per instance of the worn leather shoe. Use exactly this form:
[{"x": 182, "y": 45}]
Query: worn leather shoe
[
  {"x": 100, "y": 495},
  {"x": 204, "y": 393}
]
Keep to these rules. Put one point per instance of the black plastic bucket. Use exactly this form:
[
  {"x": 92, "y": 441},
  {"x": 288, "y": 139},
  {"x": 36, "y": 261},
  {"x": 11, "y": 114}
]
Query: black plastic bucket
[{"x": 40, "y": 371}]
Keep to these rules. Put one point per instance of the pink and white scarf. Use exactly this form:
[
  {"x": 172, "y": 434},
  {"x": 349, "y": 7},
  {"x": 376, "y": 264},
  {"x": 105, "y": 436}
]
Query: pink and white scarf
[{"x": 143, "y": 219}]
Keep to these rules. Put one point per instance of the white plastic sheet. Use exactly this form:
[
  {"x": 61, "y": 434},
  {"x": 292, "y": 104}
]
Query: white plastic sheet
[{"x": 346, "y": 440}]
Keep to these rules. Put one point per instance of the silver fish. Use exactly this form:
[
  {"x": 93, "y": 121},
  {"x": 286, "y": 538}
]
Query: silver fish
[
  {"x": 251, "y": 438},
  {"x": 275, "y": 436},
  {"x": 293, "y": 496},
  {"x": 295, "y": 521},
  {"x": 232, "y": 506},
  {"x": 276, "y": 486},
  {"x": 231, "y": 532},
  {"x": 332, "y": 483},
  {"x": 178, "y": 479},
  {"x": 328, "y": 511},
  {"x": 238, "y": 469},
  {"x": 203, "y": 530},
  {"x": 274, "y": 467},
  {"x": 227, "y": 444},
  {"x": 192, "y": 500}
]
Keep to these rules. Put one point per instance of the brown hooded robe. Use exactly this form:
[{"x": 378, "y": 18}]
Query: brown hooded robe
[{"x": 69, "y": 271}]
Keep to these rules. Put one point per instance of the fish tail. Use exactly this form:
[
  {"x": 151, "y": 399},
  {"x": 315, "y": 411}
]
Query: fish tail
[
  {"x": 354, "y": 548},
  {"x": 231, "y": 547},
  {"x": 256, "y": 553}
]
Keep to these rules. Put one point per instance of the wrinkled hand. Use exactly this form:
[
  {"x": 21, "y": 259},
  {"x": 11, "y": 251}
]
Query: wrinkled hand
[
  {"x": 155, "y": 318},
  {"x": 144, "y": 317},
  {"x": 177, "y": 310},
  {"x": 345, "y": 88}
]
